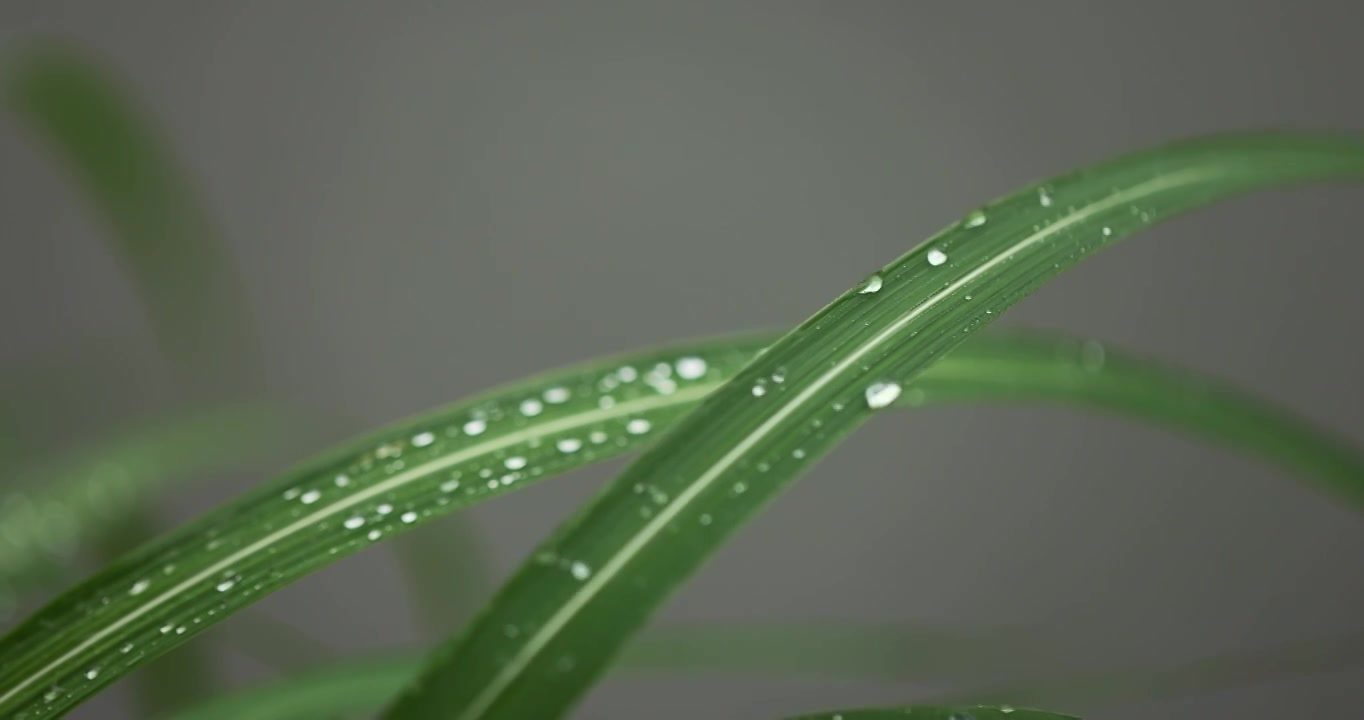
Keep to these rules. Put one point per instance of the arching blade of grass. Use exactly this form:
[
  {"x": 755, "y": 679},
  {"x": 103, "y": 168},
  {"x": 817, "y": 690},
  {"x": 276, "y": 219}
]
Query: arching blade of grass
[
  {"x": 363, "y": 684},
  {"x": 826, "y": 650},
  {"x": 600, "y": 576},
  {"x": 158, "y": 226},
  {"x": 921, "y": 712},
  {"x": 416, "y": 470},
  {"x": 53, "y": 507}
]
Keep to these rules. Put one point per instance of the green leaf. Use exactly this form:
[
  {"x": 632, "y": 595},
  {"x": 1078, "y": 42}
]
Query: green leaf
[
  {"x": 53, "y": 507},
  {"x": 879, "y": 652},
  {"x": 159, "y": 228},
  {"x": 599, "y": 577},
  {"x": 921, "y": 712},
  {"x": 403, "y": 476}
]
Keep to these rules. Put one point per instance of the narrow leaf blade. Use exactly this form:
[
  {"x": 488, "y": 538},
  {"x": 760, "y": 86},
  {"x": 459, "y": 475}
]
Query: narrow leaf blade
[{"x": 625, "y": 553}]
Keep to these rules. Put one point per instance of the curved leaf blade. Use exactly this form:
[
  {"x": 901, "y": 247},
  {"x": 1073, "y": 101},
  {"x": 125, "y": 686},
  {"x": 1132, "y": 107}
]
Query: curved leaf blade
[
  {"x": 159, "y": 228},
  {"x": 57, "y": 505},
  {"x": 366, "y": 683},
  {"x": 793, "y": 403},
  {"x": 53, "y": 653},
  {"x": 923, "y": 712}
]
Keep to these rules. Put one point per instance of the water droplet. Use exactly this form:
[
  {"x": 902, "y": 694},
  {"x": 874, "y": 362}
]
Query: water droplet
[
  {"x": 408, "y": 517},
  {"x": 1108, "y": 231},
  {"x": 375, "y": 535},
  {"x": 423, "y": 439},
  {"x": 569, "y": 445},
  {"x": 1043, "y": 197},
  {"x": 691, "y": 367},
  {"x": 342, "y": 480},
  {"x": 353, "y": 522},
  {"x": 139, "y": 587},
  {"x": 663, "y": 386},
  {"x": 310, "y": 497},
  {"x": 881, "y": 394},
  {"x": 449, "y": 486},
  {"x": 638, "y": 426},
  {"x": 475, "y": 427},
  {"x": 627, "y": 374},
  {"x": 226, "y": 585},
  {"x": 740, "y": 488},
  {"x": 936, "y": 257},
  {"x": 127, "y": 648},
  {"x": 580, "y": 570},
  {"x": 759, "y": 391},
  {"x": 975, "y": 218},
  {"x": 291, "y": 493},
  {"x": 92, "y": 673},
  {"x": 384, "y": 509},
  {"x": 166, "y": 629},
  {"x": 798, "y": 454},
  {"x": 871, "y": 284},
  {"x": 606, "y": 402},
  {"x": 597, "y": 437},
  {"x": 531, "y": 407},
  {"x": 515, "y": 462},
  {"x": 556, "y": 395},
  {"x": 705, "y": 519}
]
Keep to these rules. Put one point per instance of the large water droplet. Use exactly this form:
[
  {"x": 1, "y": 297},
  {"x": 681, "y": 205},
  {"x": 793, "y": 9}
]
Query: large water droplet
[
  {"x": 936, "y": 257},
  {"x": 353, "y": 522},
  {"x": 531, "y": 407},
  {"x": 423, "y": 439},
  {"x": 408, "y": 517},
  {"x": 580, "y": 570},
  {"x": 691, "y": 367},
  {"x": 871, "y": 284},
  {"x": 638, "y": 426},
  {"x": 139, "y": 587},
  {"x": 975, "y": 218},
  {"x": 556, "y": 395},
  {"x": 475, "y": 427},
  {"x": 310, "y": 497},
  {"x": 881, "y": 394},
  {"x": 515, "y": 462},
  {"x": 1043, "y": 197},
  {"x": 569, "y": 445}
]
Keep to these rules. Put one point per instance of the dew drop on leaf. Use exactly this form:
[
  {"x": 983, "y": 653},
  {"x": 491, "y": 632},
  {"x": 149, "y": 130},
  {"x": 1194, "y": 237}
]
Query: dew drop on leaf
[
  {"x": 569, "y": 445},
  {"x": 531, "y": 407},
  {"x": 936, "y": 257},
  {"x": 638, "y": 426},
  {"x": 691, "y": 367},
  {"x": 871, "y": 284},
  {"x": 580, "y": 570},
  {"x": 881, "y": 394},
  {"x": 310, "y": 497},
  {"x": 975, "y": 219},
  {"x": 352, "y": 523},
  {"x": 556, "y": 395},
  {"x": 475, "y": 427},
  {"x": 423, "y": 439}
]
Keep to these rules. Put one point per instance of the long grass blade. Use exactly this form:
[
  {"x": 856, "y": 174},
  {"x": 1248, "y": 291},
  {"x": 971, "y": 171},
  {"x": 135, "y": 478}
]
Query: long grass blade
[
  {"x": 363, "y": 684},
  {"x": 53, "y": 507},
  {"x": 599, "y": 577},
  {"x": 414, "y": 471},
  {"x": 921, "y": 712},
  {"x": 158, "y": 225}
]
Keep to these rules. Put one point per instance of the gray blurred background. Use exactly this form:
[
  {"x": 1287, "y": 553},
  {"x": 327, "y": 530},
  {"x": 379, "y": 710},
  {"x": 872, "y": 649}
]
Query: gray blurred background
[{"x": 425, "y": 199}]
